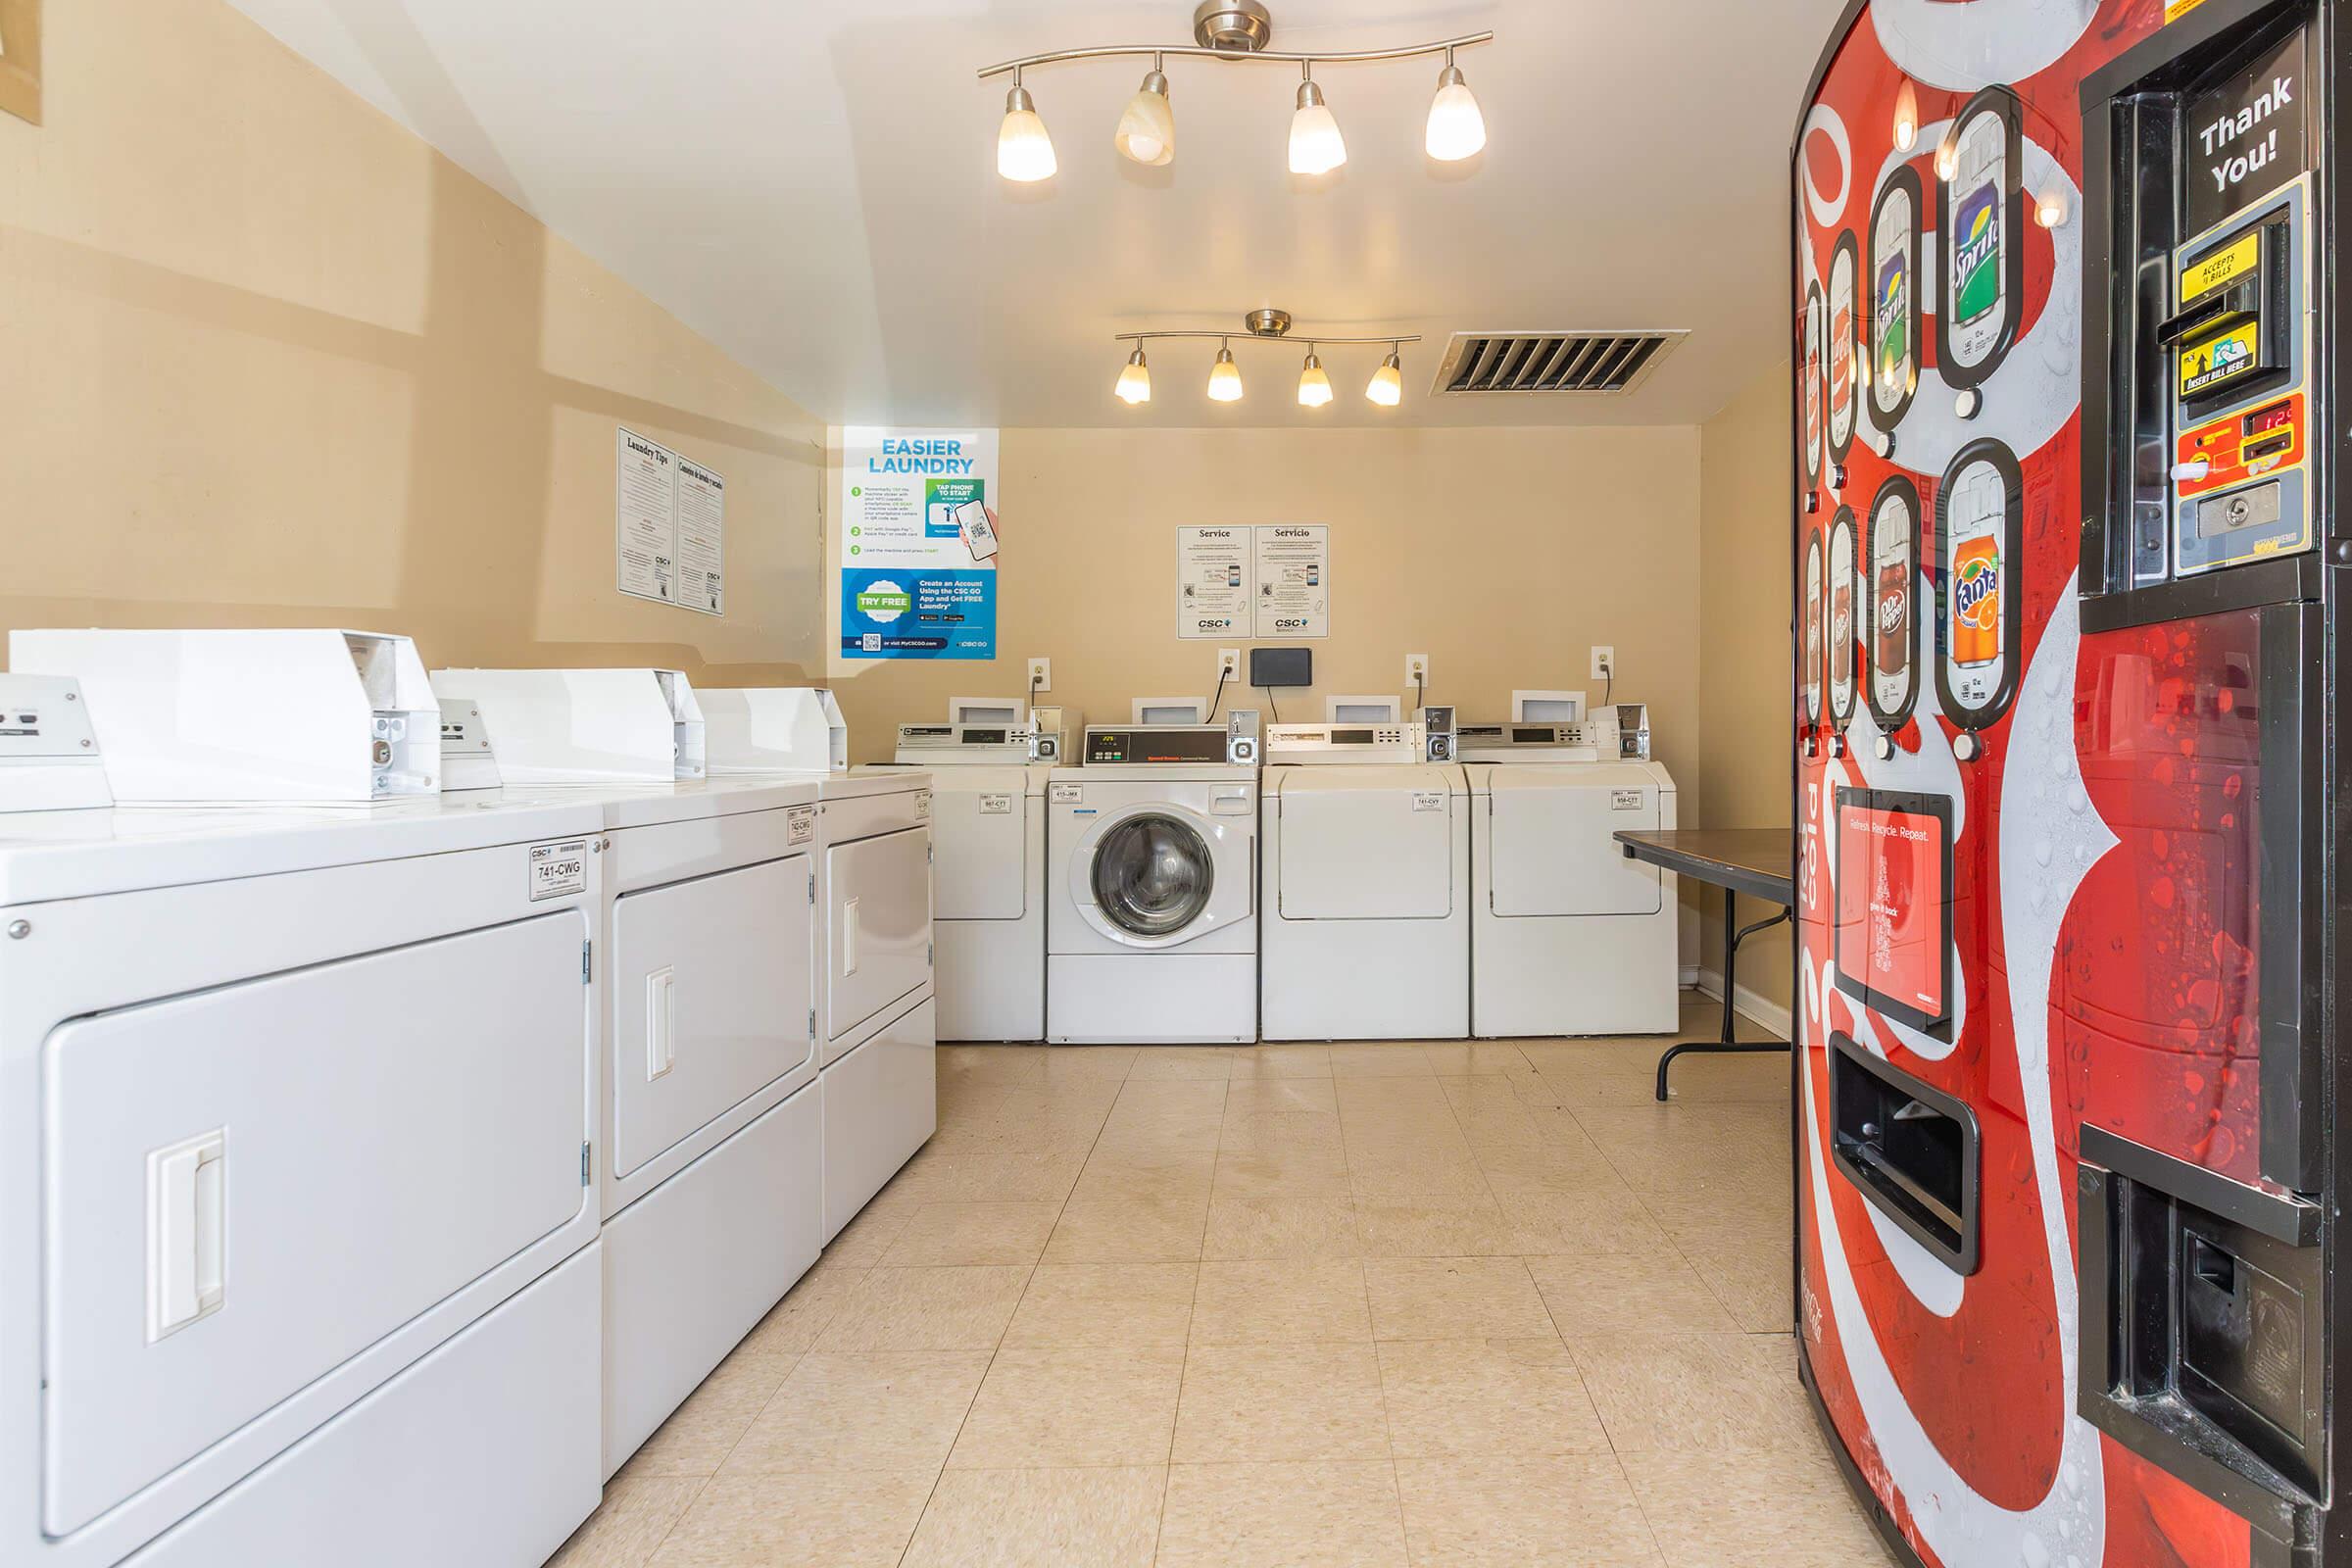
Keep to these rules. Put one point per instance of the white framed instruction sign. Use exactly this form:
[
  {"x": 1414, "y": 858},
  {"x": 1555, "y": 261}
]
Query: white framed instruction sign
[
  {"x": 1294, "y": 580},
  {"x": 1270, "y": 582},
  {"x": 669, "y": 524}
]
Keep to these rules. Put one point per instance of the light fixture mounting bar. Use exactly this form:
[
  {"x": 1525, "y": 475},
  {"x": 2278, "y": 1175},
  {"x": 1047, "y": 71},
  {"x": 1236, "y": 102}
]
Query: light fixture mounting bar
[
  {"x": 1320, "y": 338},
  {"x": 1319, "y": 57}
]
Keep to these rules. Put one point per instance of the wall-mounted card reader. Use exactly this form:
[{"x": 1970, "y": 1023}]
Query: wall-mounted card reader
[{"x": 294, "y": 718}]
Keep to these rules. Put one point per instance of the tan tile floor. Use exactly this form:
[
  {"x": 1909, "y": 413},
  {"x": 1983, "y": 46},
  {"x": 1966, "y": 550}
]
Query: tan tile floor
[{"x": 1355, "y": 1304}]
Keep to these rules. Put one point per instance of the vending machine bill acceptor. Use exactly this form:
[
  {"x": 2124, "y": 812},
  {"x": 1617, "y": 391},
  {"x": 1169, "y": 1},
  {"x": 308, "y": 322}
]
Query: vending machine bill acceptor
[{"x": 2070, "y": 647}]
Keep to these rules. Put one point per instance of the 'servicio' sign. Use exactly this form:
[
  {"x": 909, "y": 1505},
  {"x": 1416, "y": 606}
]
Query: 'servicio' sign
[{"x": 2246, "y": 135}]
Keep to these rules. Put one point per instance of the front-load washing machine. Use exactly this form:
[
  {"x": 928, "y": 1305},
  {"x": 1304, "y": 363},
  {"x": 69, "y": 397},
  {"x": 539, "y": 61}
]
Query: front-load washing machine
[
  {"x": 1567, "y": 936},
  {"x": 708, "y": 1162},
  {"x": 1151, "y": 924},
  {"x": 877, "y": 1023},
  {"x": 1365, "y": 882},
  {"x": 988, "y": 839},
  {"x": 295, "y": 1106}
]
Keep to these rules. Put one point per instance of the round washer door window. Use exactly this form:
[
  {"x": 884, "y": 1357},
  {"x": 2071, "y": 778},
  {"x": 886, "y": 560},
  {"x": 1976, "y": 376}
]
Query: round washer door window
[{"x": 1153, "y": 874}]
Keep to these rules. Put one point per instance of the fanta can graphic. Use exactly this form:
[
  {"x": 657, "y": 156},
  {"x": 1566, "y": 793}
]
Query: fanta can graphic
[{"x": 1976, "y": 637}]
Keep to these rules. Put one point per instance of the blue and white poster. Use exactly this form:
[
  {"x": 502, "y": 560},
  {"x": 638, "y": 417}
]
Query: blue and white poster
[{"x": 918, "y": 542}]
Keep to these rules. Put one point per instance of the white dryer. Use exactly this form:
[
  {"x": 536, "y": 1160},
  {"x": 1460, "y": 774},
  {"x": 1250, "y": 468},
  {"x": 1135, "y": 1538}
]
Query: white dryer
[
  {"x": 876, "y": 1020},
  {"x": 294, "y": 1113},
  {"x": 1568, "y": 937},
  {"x": 707, "y": 1161},
  {"x": 1151, "y": 929},
  {"x": 988, "y": 840},
  {"x": 1365, "y": 886}
]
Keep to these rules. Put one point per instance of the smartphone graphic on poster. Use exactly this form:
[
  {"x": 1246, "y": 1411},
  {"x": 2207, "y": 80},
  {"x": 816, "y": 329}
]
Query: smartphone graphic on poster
[{"x": 979, "y": 535}]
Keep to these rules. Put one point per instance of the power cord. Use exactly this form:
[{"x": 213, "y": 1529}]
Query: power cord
[
  {"x": 1218, "y": 696},
  {"x": 1608, "y": 678},
  {"x": 1418, "y": 694},
  {"x": 1271, "y": 704}
]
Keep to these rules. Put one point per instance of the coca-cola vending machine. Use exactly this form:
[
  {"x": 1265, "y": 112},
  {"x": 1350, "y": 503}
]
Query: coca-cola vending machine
[{"x": 2070, "y": 626}]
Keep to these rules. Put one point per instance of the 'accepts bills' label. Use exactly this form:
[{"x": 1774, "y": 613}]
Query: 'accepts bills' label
[{"x": 559, "y": 870}]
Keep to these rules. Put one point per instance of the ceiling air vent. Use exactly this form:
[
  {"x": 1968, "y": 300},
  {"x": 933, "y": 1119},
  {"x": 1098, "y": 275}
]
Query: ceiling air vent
[{"x": 1551, "y": 361}]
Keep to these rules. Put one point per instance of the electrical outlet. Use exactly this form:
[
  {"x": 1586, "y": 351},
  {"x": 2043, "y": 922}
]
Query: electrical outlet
[
  {"x": 1041, "y": 675},
  {"x": 1416, "y": 669},
  {"x": 1605, "y": 662},
  {"x": 1229, "y": 664}
]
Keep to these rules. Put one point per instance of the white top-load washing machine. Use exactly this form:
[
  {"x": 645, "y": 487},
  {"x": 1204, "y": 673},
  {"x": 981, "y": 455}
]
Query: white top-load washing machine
[
  {"x": 1151, "y": 924},
  {"x": 988, "y": 840},
  {"x": 1365, "y": 881},
  {"x": 708, "y": 1157},
  {"x": 1568, "y": 937},
  {"x": 877, "y": 1023},
  {"x": 295, "y": 1104}
]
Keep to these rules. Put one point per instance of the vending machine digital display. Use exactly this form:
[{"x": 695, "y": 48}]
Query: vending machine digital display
[{"x": 2068, "y": 770}]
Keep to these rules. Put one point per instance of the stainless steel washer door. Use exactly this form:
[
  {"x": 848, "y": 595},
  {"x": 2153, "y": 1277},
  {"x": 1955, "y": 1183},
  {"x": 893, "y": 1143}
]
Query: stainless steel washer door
[{"x": 1153, "y": 874}]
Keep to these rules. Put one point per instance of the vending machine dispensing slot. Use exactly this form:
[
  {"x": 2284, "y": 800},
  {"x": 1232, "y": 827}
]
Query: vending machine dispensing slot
[
  {"x": 2202, "y": 1307},
  {"x": 1908, "y": 1148}
]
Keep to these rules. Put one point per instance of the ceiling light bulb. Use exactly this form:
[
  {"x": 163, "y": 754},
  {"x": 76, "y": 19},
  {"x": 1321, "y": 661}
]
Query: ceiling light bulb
[
  {"x": 1386, "y": 387},
  {"x": 1456, "y": 129},
  {"x": 1146, "y": 129},
  {"x": 1024, "y": 152},
  {"x": 1316, "y": 146},
  {"x": 1225, "y": 378},
  {"x": 1906, "y": 119},
  {"x": 1134, "y": 381},
  {"x": 1314, "y": 387}
]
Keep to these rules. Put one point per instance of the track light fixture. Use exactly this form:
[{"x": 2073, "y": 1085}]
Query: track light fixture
[
  {"x": 1385, "y": 390},
  {"x": 1024, "y": 152},
  {"x": 1229, "y": 31},
  {"x": 1134, "y": 381}
]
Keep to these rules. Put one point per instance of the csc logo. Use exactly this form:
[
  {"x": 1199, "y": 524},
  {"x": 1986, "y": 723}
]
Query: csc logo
[{"x": 1287, "y": 622}]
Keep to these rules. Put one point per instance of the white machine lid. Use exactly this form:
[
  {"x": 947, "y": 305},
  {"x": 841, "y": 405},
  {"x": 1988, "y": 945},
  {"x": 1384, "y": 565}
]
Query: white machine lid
[
  {"x": 987, "y": 778},
  {"x": 1159, "y": 774},
  {"x": 873, "y": 778},
  {"x": 69, "y": 855},
  {"x": 1303, "y": 778},
  {"x": 1486, "y": 777}
]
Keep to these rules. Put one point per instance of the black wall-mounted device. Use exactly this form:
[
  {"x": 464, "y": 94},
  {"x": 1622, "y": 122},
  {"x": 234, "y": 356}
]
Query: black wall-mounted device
[{"x": 1282, "y": 667}]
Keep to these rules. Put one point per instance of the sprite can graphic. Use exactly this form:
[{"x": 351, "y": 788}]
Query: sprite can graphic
[
  {"x": 1893, "y": 323},
  {"x": 1977, "y": 260}
]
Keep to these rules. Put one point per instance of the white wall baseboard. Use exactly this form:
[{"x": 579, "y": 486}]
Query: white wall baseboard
[{"x": 1755, "y": 1009}]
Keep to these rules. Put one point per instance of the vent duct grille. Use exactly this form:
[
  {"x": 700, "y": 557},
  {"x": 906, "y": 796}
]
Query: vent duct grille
[{"x": 1551, "y": 361}]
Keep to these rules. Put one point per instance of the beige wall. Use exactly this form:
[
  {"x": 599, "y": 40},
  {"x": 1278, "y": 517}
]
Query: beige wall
[
  {"x": 270, "y": 360},
  {"x": 1744, "y": 677},
  {"x": 1503, "y": 553}
]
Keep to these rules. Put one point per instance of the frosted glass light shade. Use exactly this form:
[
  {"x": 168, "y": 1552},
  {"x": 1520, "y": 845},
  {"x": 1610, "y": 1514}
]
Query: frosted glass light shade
[
  {"x": 1134, "y": 381},
  {"x": 1316, "y": 145},
  {"x": 1147, "y": 131},
  {"x": 1386, "y": 387},
  {"x": 1225, "y": 380},
  {"x": 1314, "y": 387},
  {"x": 1456, "y": 129},
  {"x": 1024, "y": 152}
]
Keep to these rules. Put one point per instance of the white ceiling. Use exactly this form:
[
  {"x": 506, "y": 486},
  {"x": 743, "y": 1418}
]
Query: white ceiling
[{"x": 813, "y": 188}]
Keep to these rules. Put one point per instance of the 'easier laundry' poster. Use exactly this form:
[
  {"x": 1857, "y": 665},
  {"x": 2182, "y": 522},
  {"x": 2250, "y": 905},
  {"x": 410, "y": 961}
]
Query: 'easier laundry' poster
[{"x": 918, "y": 542}]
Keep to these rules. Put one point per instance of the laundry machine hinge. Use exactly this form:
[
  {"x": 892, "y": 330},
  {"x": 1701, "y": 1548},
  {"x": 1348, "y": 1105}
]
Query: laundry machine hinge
[
  {"x": 586, "y": 948},
  {"x": 812, "y": 1026},
  {"x": 584, "y": 1163}
]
